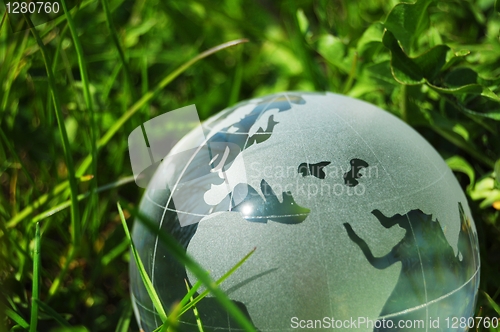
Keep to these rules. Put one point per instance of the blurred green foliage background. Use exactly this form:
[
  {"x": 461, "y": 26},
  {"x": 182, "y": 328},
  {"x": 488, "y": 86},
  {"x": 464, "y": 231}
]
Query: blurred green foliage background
[{"x": 437, "y": 67}]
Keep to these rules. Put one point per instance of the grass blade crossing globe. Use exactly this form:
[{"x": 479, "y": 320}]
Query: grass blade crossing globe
[{"x": 355, "y": 217}]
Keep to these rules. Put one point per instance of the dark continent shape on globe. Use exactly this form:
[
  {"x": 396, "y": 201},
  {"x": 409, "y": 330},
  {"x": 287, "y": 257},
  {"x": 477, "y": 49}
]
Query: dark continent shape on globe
[
  {"x": 353, "y": 174},
  {"x": 258, "y": 209},
  {"x": 200, "y": 163},
  {"x": 241, "y": 136},
  {"x": 430, "y": 269},
  {"x": 315, "y": 170}
]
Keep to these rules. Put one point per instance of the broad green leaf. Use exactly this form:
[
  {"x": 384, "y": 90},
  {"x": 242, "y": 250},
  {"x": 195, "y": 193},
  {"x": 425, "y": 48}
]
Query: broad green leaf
[
  {"x": 459, "y": 164},
  {"x": 381, "y": 71},
  {"x": 485, "y": 190},
  {"x": 495, "y": 115},
  {"x": 303, "y": 21},
  {"x": 460, "y": 77},
  {"x": 411, "y": 71},
  {"x": 407, "y": 20},
  {"x": 454, "y": 57},
  {"x": 432, "y": 61},
  {"x": 333, "y": 50},
  {"x": 447, "y": 128},
  {"x": 490, "y": 94},
  {"x": 433, "y": 37},
  {"x": 372, "y": 35},
  {"x": 472, "y": 89},
  {"x": 462, "y": 131},
  {"x": 404, "y": 69},
  {"x": 363, "y": 88}
]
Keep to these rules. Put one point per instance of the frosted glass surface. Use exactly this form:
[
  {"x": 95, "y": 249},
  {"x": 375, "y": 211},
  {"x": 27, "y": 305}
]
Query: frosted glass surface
[{"x": 353, "y": 214}]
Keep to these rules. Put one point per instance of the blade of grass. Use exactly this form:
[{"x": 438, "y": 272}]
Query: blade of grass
[
  {"x": 11, "y": 75},
  {"x": 62, "y": 18},
  {"x": 116, "y": 42},
  {"x": 492, "y": 303},
  {"x": 88, "y": 103},
  {"x": 16, "y": 318},
  {"x": 15, "y": 246},
  {"x": 115, "y": 252},
  {"x": 57, "y": 281},
  {"x": 8, "y": 52},
  {"x": 67, "y": 203},
  {"x": 16, "y": 157},
  {"x": 75, "y": 213},
  {"x": 144, "y": 275},
  {"x": 57, "y": 190},
  {"x": 195, "y": 311},
  {"x": 237, "y": 79},
  {"x": 300, "y": 48},
  {"x": 75, "y": 222},
  {"x": 125, "y": 317},
  {"x": 119, "y": 123},
  {"x": 144, "y": 86},
  {"x": 52, "y": 313},
  {"x": 3, "y": 20},
  {"x": 190, "y": 293},
  {"x": 37, "y": 204},
  {"x": 173, "y": 320},
  {"x": 109, "y": 83},
  {"x": 182, "y": 303},
  {"x": 55, "y": 62},
  {"x": 459, "y": 142},
  {"x": 36, "y": 280},
  {"x": 151, "y": 94},
  {"x": 352, "y": 74},
  {"x": 173, "y": 317},
  {"x": 179, "y": 253},
  {"x": 219, "y": 281}
]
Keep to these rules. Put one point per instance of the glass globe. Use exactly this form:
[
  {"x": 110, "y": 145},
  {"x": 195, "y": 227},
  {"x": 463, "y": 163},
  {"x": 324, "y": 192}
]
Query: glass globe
[{"x": 356, "y": 220}]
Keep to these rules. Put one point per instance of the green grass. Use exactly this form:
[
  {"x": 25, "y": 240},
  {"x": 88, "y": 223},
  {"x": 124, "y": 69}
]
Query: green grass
[{"x": 73, "y": 89}]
